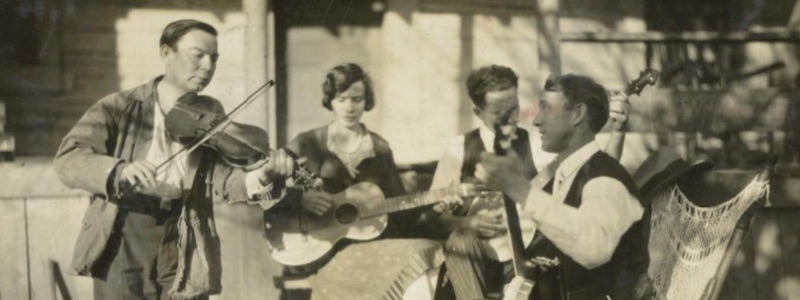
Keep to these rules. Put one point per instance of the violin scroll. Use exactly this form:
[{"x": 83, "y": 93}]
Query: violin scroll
[{"x": 646, "y": 77}]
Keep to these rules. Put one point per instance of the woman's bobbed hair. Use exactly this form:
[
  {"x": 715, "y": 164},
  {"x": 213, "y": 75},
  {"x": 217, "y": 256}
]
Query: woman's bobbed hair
[{"x": 340, "y": 78}]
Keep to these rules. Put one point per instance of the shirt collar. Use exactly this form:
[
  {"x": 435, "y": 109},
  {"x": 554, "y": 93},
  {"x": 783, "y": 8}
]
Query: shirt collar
[
  {"x": 147, "y": 92},
  {"x": 577, "y": 159},
  {"x": 487, "y": 137},
  {"x": 165, "y": 91}
]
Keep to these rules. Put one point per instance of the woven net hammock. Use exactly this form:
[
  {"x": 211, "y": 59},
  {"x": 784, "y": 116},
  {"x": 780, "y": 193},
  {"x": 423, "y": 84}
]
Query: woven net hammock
[{"x": 687, "y": 241}]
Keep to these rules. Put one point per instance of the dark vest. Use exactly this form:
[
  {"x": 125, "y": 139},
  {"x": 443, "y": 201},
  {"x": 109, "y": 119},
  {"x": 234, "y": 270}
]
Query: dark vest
[
  {"x": 611, "y": 278},
  {"x": 473, "y": 147}
]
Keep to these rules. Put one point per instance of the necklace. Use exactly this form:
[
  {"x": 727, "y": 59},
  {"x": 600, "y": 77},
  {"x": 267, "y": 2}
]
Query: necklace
[{"x": 341, "y": 145}]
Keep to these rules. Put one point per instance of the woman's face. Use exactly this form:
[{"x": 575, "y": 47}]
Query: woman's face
[{"x": 348, "y": 106}]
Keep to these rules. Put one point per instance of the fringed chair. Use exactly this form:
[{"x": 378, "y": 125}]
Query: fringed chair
[{"x": 697, "y": 218}]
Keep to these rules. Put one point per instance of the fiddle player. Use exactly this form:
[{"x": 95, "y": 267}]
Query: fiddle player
[
  {"x": 585, "y": 215},
  {"x": 159, "y": 240}
]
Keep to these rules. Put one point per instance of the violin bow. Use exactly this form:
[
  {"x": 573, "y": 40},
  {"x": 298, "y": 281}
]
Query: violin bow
[{"x": 217, "y": 128}]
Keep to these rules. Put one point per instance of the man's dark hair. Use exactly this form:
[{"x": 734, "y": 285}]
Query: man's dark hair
[
  {"x": 340, "y": 78},
  {"x": 489, "y": 79},
  {"x": 582, "y": 89},
  {"x": 175, "y": 30}
]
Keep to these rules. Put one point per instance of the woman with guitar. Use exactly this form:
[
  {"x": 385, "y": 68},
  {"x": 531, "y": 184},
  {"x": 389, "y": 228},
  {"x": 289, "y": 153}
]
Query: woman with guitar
[{"x": 346, "y": 154}]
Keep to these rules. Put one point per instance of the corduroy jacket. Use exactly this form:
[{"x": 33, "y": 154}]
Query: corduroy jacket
[{"x": 118, "y": 130}]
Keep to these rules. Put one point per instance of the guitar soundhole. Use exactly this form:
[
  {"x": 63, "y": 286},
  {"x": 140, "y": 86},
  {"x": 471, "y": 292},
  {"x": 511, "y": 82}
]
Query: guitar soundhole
[{"x": 346, "y": 214}]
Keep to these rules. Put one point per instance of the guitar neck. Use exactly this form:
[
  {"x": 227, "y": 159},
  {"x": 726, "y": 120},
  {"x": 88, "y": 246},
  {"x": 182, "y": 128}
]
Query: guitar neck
[{"x": 395, "y": 204}]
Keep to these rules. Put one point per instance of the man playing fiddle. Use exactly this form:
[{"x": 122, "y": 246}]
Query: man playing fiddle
[{"x": 149, "y": 232}]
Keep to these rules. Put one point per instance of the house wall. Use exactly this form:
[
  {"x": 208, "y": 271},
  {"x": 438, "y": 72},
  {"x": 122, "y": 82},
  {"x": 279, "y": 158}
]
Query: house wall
[{"x": 108, "y": 47}]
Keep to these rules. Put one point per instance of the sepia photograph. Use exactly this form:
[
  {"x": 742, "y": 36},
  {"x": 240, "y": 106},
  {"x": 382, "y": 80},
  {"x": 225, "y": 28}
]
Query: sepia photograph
[{"x": 400, "y": 149}]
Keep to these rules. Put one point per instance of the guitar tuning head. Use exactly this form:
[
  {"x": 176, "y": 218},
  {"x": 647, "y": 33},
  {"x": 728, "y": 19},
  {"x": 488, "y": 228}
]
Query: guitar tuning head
[
  {"x": 646, "y": 77},
  {"x": 653, "y": 76}
]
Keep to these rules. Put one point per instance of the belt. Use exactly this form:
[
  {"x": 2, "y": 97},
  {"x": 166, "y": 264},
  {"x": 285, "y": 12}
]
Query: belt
[{"x": 150, "y": 205}]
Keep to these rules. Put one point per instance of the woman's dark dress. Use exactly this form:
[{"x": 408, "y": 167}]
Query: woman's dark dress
[{"x": 378, "y": 269}]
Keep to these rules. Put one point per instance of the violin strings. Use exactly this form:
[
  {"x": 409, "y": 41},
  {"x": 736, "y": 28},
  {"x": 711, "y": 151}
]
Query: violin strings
[
  {"x": 217, "y": 128},
  {"x": 203, "y": 138}
]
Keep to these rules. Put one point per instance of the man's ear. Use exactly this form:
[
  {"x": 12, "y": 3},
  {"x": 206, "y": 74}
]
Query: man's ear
[
  {"x": 166, "y": 50},
  {"x": 578, "y": 114},
  {"x": 477, "y": 111}
]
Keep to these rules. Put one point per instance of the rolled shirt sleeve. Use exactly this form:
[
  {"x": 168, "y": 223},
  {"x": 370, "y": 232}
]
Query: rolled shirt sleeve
[
  {"x": 265, "y": 196},
  {"x": 590, "y": 233},
  {"x": 448, "y": 169}
]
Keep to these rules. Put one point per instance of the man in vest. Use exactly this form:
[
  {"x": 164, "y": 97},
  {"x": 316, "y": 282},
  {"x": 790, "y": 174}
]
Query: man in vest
[
  {"x": 586, "y": 211},
  {"x": 493, "y": 91}
]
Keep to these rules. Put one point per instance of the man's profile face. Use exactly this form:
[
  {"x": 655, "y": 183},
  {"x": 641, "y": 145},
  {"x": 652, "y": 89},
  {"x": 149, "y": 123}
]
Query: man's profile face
[
  {"x": 554, "y": 121},
  {"x": 191, "y": 65},
  {"x": 499, "y": 104}
]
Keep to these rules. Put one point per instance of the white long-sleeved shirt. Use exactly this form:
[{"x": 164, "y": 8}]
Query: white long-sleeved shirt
[{"x": 590, "y": 233}]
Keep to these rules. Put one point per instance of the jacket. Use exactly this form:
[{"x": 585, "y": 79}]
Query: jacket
[{"x": 115, "y": 131}]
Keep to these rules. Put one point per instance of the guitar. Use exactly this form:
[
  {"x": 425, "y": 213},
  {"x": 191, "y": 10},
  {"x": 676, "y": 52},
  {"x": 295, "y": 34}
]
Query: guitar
[
  {"x": 521, "y": 232},
  {"x": 360, "y": 213}
]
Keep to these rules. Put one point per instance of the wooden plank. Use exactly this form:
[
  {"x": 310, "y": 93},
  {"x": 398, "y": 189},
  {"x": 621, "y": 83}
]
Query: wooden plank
[
  {"x": 15, "y": 80},
  {"x": 32, "y": 177},
  {"x": 547, "y": 42},
  {"x": 54, "y": 224},
  {"x": 695, "y": 36},
  {"x": 96, "y": 44},
  {"x": 14, "y": 258},
  {"x": 247, "y": 267},
  {"x": 479, "y": 6}
]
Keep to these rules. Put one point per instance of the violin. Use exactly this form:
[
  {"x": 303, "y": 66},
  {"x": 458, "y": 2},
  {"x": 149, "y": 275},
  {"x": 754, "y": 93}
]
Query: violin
[
  {"x": 197, "y": 120},
  {"x": 240, "y": 145},
  {"x": 194, "y": 116},
  {"x": 201, "y": 119}
]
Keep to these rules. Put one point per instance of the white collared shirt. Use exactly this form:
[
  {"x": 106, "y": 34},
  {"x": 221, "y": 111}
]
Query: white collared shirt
[
  {"x": 448, "y": 169},
  {"x": 170, "y": 179},
  {"x": 590, "y": 233}
]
